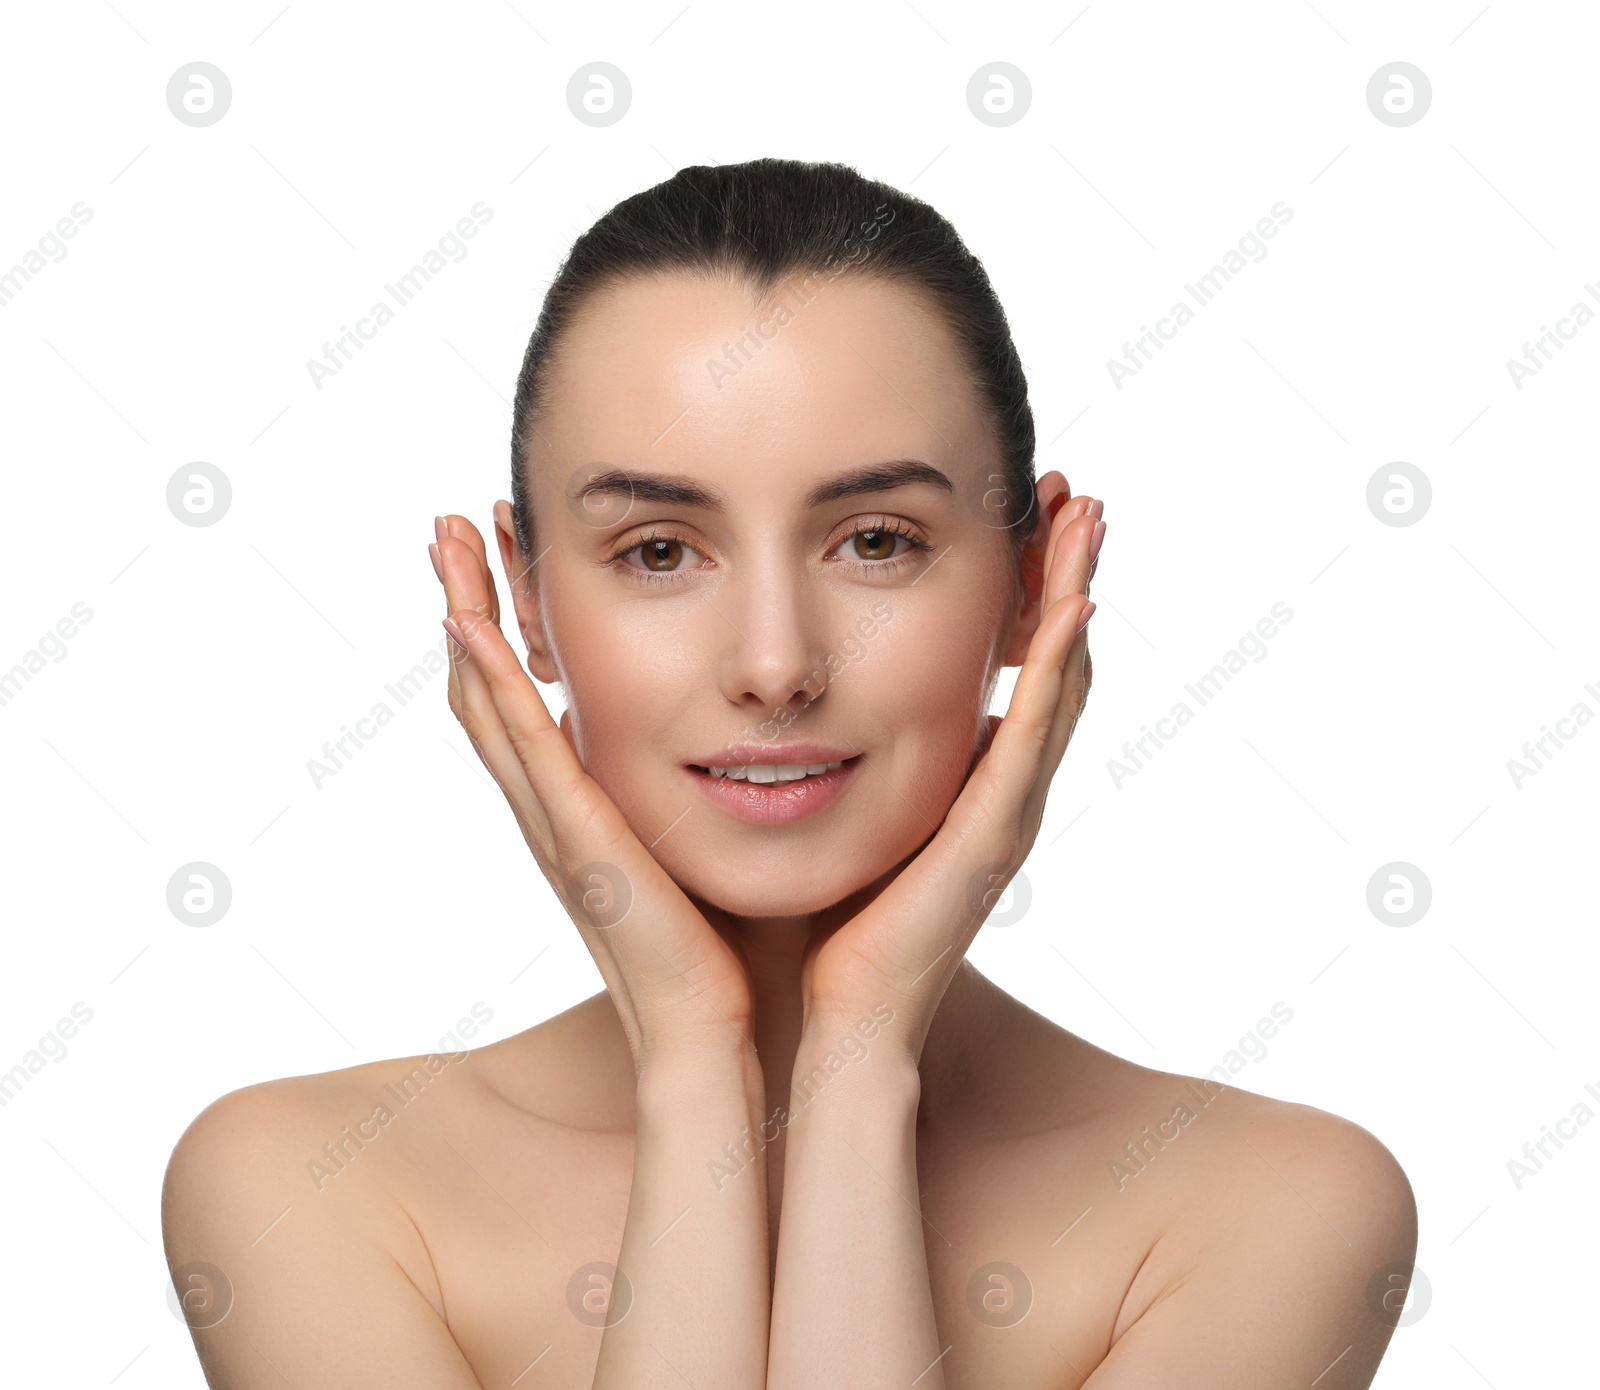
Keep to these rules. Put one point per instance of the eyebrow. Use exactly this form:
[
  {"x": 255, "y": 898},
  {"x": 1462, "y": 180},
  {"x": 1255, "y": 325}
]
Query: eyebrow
[{"x": 677, "y": 490}]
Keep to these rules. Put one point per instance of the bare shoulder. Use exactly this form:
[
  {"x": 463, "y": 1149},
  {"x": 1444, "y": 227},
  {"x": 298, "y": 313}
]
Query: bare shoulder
[
  {"x": 259, "y": 1159},
  {"x": 358, "y": 1150},
  {"x": 1295, "y": 1226},
  {"x": 284, "y": 1273},
  {"x": 268, "y": 1120},
  {"x": 1234, "y": 1159},
  {"x": 1289, "y": 1228},
  {"x": 1219, "y": 1146},
  {"x": 1301, "y": 1171},
  {"x": 1277, "y": 1157}
]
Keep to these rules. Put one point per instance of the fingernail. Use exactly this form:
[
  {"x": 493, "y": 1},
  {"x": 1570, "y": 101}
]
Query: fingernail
[
  {"x": 433, "y": 554},
  {"x": 1083, "y": 620},
  {"x": 1096, "y": 540},
  {"x": 455, "y": 635},
  {"x": 1097, "y": 509},
  {"x": 440, "y": 528}
]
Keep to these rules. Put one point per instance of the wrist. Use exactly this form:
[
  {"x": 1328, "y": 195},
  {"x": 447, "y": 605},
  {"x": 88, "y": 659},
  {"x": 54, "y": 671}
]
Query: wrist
[
  {"x": 683, "y": 1071},
  {"x": 865, "y": 1055},
  {"x": 842, "y": 1027}
]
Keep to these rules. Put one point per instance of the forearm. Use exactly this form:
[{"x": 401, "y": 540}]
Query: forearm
[
  {"x": 694, "y": 1257},
  {"x": 851, "y": 1305}
]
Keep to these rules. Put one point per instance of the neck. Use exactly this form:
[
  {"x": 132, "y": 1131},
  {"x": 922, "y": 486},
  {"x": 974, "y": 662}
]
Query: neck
[{"x": 774, "y": 949}]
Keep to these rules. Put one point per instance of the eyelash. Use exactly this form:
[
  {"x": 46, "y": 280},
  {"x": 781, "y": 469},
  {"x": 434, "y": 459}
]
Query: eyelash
[{"x": 882, "y": 525}]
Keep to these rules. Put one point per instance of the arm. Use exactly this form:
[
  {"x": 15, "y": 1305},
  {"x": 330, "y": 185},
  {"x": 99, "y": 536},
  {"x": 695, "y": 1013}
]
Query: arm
[
  {"x": 693, "y": 1265},
  {"x": 852, "y": 1304}
]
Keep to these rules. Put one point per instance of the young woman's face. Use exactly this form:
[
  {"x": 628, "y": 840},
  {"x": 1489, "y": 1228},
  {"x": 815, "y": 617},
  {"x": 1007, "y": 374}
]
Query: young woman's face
[{"x": 754, "y": 597}]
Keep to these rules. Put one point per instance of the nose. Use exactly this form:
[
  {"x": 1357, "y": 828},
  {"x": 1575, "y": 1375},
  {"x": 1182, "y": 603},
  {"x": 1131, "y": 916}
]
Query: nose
[{"x": 773, "y": 642}]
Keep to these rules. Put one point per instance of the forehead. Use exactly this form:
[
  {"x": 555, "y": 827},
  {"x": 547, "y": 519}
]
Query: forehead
[{"x": 694, "y": 374}]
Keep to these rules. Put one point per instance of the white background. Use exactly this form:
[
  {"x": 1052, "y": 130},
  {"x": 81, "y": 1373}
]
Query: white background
[{"x": 1168, "y": 914}]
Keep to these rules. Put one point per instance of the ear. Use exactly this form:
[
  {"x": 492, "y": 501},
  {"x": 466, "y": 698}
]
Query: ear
[
  {"x": 524, "y": 596},
  {"x": 1052, "y": 492}
]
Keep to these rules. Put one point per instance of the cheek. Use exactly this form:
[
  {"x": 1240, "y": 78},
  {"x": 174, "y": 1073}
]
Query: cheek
[
  {"x": 621, "y": 720},
  {"x": 931, "y": 694},
  {"x": 606, "y": 693},
  {"x": 637, "y": 702}
]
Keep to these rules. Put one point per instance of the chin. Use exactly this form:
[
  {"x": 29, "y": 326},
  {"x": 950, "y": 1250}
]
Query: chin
[
  {"x": 783, "y": 885},
  {"x": 766, "y": 890}
]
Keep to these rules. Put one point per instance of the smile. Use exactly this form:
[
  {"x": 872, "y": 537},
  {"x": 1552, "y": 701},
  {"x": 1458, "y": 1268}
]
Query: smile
[
  {"x": 774, "y": 793},
  {"x": 772, "y": 772}
]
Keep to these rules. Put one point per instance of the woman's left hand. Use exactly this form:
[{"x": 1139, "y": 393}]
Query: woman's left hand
[{"x": 906, "y": 945}]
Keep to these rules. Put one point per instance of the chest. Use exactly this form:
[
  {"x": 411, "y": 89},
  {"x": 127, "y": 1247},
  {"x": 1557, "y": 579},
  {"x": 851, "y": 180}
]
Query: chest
[{"x": 1029, "y": 1255}]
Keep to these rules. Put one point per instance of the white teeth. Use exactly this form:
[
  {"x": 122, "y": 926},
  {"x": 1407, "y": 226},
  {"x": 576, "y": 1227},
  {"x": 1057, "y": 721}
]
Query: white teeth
[{"x": 769, "y": 772}]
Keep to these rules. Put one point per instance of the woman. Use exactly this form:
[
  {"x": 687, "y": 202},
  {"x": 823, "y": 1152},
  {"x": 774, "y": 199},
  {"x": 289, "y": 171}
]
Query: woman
[{"x": 775, "y": 531}]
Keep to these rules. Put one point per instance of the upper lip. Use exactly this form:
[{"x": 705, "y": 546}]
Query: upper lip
[{"x": 774, "y": 755}]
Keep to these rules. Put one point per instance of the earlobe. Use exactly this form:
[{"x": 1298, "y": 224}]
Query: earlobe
[{"x": 1024, "y": 622}]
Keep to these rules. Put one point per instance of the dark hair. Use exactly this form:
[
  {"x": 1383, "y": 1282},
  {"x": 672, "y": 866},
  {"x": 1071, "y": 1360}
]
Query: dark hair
[{"x": 763, "y": 221}]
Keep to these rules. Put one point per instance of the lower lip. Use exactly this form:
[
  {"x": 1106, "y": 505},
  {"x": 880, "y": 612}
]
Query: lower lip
[{"x": 776, "y": 803}]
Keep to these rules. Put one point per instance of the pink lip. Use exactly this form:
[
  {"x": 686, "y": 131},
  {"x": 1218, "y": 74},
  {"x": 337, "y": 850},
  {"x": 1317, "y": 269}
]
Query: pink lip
[
  {"x": 776, "y": 803},
  {"x": 793, "y": 753}
]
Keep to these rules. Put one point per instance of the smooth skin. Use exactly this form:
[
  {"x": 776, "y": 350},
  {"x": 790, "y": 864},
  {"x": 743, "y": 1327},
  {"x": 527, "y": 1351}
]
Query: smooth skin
[{"x": 934, "y": 1204}]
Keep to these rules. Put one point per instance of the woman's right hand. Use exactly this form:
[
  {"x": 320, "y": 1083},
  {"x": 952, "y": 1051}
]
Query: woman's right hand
[{"x": 677, "y": 984}]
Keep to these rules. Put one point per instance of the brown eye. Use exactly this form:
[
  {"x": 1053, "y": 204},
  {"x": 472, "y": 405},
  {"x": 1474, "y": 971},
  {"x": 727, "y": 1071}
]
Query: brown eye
[
  {"x": 661, "y": 556},
  {"x": 880, "y": 544},
  {"x": 661, "y": 559}
]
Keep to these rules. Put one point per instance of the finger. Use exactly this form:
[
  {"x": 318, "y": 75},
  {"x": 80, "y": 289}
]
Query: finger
[
  {"x": 567, "y": 818},
  {"x": 1067, "y": 565},
  {"x": 1026, "y": 749},
  {"x": 1069, "y": 577},
  {"x": 1068, "y": 512},
  {"x": 1062, "y": 510},
  {"x": 464, "y": 581},
  {"x": 452, "y": 654},
  {"x": 468, "y": 583},
  {"x": 463, "y": 530},
  {"x": 1073, "y": 695},
  {"x": 503, "y": 699}
]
